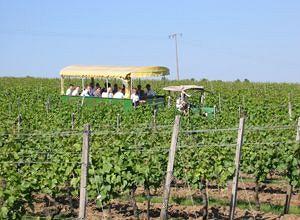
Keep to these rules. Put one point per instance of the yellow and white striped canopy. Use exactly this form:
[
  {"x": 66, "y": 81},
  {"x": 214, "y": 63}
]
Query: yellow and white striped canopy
[{"x": 114, "y": 71}]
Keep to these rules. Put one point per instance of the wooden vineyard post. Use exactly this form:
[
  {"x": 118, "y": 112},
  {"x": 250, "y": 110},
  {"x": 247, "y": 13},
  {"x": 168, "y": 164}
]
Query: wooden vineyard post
[
  {"x": 154, "y": 117},
  {"x": 84, "y": 172},
  {"x": 19, "y": 122},
  {"x": 73, "y": 120},
  {"x": 83, "y": 82},
  {"x": 298, "y": 132},
  {"x": 215, "y": 110},
  {"x": 62, "y": 86},
  {"x": 82, "y": 101},
  {"x": 164, "y": 209},
  {"x": 47, "y": 105},
  {"x": 237, "y": 168},
  {"x": 118, "y": 121},
  {"x": 19, "y": 104},
  {"x": 290, "y": 107},
  {"x": 220, "y": 102},
  {"x": 169, "y": 101},
  {"x": 10, "y": 108},
  {"x": 288, "y": 198},
  {"x": 202, "y": 99},
  {"x": 289, "y": 191}
]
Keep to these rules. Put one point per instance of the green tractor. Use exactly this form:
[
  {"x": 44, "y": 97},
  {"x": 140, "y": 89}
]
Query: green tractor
[{"x": 183, "y": 103}]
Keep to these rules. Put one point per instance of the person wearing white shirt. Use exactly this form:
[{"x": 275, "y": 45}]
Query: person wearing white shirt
[
  {"x": 107, "y": 94},
  {"x": 134, "y": 97},
  {"x": 182, "y": 104},
  {"x": 149, "y": 92},
  {"x": 70, "y": 90},
  {"x": 76, "y": 91},
  {"x": 118, "y": 94},
  {"x": 86, "y": 91}
]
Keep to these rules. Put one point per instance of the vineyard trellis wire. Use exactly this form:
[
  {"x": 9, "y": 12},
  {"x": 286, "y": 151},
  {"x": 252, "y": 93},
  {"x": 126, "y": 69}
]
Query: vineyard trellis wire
[
  {"x": 257, "y": 98},
  {"x": 142, "y": 131}
]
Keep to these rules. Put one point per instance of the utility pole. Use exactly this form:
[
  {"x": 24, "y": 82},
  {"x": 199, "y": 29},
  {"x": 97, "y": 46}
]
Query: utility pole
[{"x": 174, "y": 36}]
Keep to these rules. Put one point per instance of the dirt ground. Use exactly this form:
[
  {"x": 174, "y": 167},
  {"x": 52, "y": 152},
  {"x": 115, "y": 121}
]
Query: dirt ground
[
  {"x": 270, "y": 193},
  {"x": 120, "y": 209}
]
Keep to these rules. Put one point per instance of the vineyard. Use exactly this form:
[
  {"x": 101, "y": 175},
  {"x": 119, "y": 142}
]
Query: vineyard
[{"x": 41, "y": 142}]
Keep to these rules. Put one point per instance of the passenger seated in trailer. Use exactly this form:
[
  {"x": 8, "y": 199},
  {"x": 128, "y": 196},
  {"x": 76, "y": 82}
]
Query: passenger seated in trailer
[
  {"x": 123, "y": 89},
  {"x": 92, "y": 89},
  {"x": 98, "y": 89},
  {"x": 107, "y": 94},
  {"x": 104, "y": 89},
  {"x": 149, "y": 92},
  {"x": 76, "y": 91},
  {"x": 97, "y": 86},
  {"x": 140, "y": 92},
  {"x": 70, "y": 90},
  {"x": 97, "y": 92},
  {"x": 115, "y": 89},
  {"x": 119, "y": 94},
  {"x": 134, "y": 97},
  {"x": 86, "y": 91}
]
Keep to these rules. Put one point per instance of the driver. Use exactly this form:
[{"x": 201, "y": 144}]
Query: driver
[{"x": 182, "y": 104}]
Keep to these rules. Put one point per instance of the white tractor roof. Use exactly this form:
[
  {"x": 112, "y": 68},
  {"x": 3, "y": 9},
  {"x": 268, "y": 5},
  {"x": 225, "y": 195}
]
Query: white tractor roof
[{"x": 183, "y": 88}]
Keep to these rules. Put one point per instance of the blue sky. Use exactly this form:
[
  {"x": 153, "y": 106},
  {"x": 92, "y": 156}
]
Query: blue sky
[{"x": 226, "y": 40}]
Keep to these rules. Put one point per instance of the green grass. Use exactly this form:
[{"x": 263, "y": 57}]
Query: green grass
[
  {"x": 267, "y": 181},
  {"x": 241, "y": 204}
]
